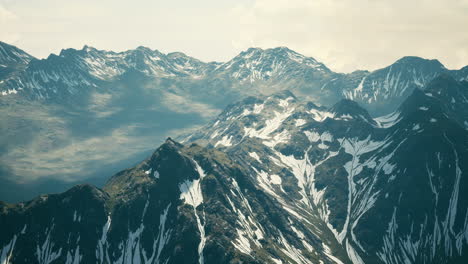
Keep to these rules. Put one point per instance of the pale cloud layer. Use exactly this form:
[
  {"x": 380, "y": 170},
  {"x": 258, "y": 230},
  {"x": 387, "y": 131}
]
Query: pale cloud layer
[{"x": 345, "y": 35}]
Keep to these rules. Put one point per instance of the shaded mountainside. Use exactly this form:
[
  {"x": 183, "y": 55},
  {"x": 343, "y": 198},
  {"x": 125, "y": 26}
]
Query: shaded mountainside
[
  {"x": 182, "y": 205},
  {"x": 272, "y": 180}
]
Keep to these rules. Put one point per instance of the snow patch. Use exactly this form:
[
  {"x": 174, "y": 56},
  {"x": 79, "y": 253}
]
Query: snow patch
[{"x": 255, "y": 156}]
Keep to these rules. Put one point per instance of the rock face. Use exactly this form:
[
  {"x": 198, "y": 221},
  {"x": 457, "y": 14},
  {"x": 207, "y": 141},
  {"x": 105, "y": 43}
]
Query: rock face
[{"x": 273, "y": 180}]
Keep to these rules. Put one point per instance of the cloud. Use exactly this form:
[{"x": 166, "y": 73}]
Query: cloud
[
  {"x": 7, "y": 17},
  {"x": 99, "y": 105},
  {"x": 78, "y": 158},
  {"x": 345, "y": 35},
  {"x": 75, "y": 157},
  {"x": 363, "y": 34},
  {"x": 181, "y": 104}
]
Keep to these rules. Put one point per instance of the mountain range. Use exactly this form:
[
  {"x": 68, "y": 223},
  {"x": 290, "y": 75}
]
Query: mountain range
[
  {"x": 252, "y": 72},
  {"x": 60, "y": 116},
  {"x": 273, "y": 179},
  {"x": 274, "y": 158}
]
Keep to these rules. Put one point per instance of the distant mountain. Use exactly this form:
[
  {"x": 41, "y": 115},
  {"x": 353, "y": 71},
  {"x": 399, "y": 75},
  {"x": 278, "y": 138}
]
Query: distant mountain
[
  {"x": 279, "y": 180},
  {"x": 253, "y": 72},
  {"x": 12, "y": 60},
  {"x": 381, "y": 91},
  {"x": 76, "y": 71},
  {"x": 13, "y": 56},
  {"x": 257, "y": 64}
]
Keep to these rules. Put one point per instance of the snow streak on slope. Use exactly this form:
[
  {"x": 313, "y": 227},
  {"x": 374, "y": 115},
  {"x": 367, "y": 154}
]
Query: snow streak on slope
[
  {"x": 46, "y": 254},
  {"x": 249, "y": 232},
  {"x": 7, "y": 251},
  {"x": 356, "y": 148},
  {"x": 191, "y": 193},
  {"x": 101, "y": 250}
]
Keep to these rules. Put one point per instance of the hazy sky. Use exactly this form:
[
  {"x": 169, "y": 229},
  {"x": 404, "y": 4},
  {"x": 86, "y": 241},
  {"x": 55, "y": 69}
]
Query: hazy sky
[{"x": 345, "y": 35}]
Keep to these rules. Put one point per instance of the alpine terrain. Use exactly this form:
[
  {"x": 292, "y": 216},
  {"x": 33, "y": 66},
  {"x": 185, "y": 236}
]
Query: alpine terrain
[
  {"x": 272, "y": 179},
  {"x": 81, "y": 115}
]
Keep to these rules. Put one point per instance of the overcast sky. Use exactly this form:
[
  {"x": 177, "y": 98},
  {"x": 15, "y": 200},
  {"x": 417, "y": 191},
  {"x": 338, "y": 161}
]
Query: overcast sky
[{"x": 345, "y": 35}]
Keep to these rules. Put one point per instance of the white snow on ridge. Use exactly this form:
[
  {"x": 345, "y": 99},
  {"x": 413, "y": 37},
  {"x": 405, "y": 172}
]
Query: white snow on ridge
[
  {"x": 275, "y": 179},
  {"x": 271, "y": 125},
  {"x": 9, "y": 91},
  {"x": 191, "y": 193},
  {"x": 312, "y": 136},
  {"x": 258, "y": 108},
  {"x": 389, "y": 120},
  {"x": 320, "y": 116},
  {"x": 190, "y": 190},
  {"x": 300, "y": 122},
  {"x": 255, "y": 156},
  {"x": 282, "y": 137},
  {"x": 285, "y": 102},
  {"x": 225, "y": 141}
]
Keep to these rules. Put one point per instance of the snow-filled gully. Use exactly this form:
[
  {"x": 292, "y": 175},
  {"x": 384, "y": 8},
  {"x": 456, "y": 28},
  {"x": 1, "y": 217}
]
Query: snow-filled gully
[{"x": 191, "y": 193}]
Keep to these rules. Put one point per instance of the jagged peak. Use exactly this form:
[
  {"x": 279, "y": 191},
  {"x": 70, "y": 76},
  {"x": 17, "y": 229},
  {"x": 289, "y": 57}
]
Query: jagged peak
[
  {"x": 284, "y": 94},
  {"x": 281, "y": 51},
  {"x": 88, "y": 48},
  {"x": 346, "y": 107},
  {"x": 419, "y": 101},
  {"x": 172, "y": 143},
  {"x": 145, "y": 50},
  {"x": 12, "y": 54},
  {"x": 360, "y": 72},
  {"x": 85, "y": 188},
  {"x": 412, "y": 60},
  {"x": 6, "y": 45},
  {"x": 177, "y": 54}
]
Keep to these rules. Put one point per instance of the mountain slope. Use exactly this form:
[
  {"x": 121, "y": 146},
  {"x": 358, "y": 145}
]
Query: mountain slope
[
  {"x": 13, "y": 56},
  {"x": 381, "y": 91},
  {"x": 387, "y": 191},
  {"x": 183, "y": 205},
  {"x": 12, "y": 61},
  {"x": 280, "y": 181}
]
